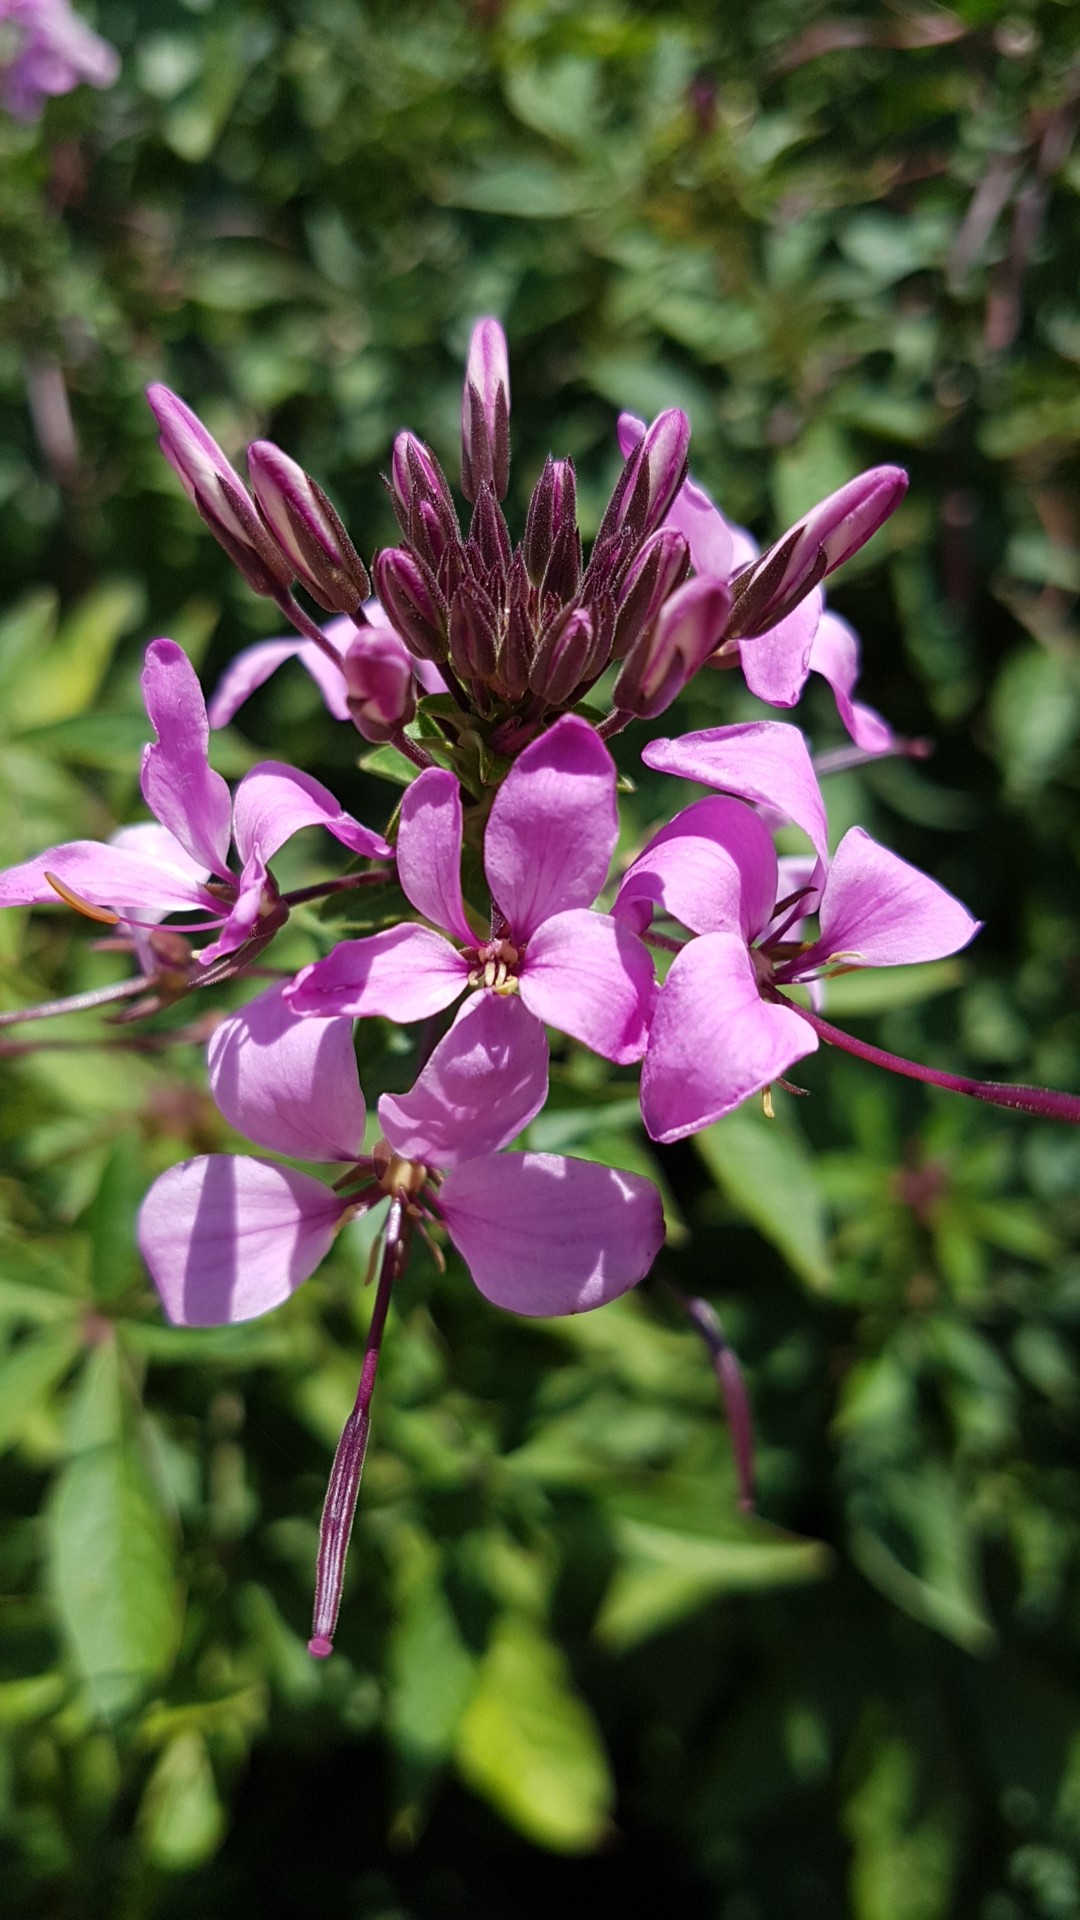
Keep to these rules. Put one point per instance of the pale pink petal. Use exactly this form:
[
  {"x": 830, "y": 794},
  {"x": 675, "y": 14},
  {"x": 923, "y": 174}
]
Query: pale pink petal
[
  {"x": 274, "y": 801},
  {"x": 429, "y": 851},
  {"x": 553, "y": 826},
  {"x": 178, "y": 783},
  {"x": 766, "y": 761},
  {"x": 486, "y": 1079},
  {"x": 692, "y": 513},
  {"x": 835, "y": 655},
  {"x": 775, "y": 663},
  {"x": 541, "y": 1234},
  {"x": 116, "y": 878},
  {"x": 154, "y": 842},
  {"x": 883, "y": 912},
  {"x": 713, "y": 868},
  {"x": 227, "y": 1238},
  {"x": 289, "y": 1084},
  {"x": 588, "y": 975},
  {"x": 405, "y": 973},
  {"x": 251, "y": 668},
  {"x": 714, "y": 1041}
]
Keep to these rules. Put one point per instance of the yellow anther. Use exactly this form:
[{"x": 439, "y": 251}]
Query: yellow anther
[{"x": 767, "y": 1107}]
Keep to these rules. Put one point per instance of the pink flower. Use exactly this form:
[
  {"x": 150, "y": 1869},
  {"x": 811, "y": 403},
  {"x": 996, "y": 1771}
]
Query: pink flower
[
  {"x": 371, "y": 650},
  {"x": 52, "y": 52},
  {"x": 184, "y": 867},
  {"x": 724, "y": 1027},
  {"x": 229, "y": 1237},
  {"x": 779, "y": 630},
  {"x": 547, "y": 849}
]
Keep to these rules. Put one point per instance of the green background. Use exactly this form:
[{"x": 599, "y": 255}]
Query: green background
[{"x": 568, "y": 1669}]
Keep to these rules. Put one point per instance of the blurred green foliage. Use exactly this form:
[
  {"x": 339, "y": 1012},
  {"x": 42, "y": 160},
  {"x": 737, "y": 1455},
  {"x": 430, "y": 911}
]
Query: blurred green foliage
[{"x": 568, "y": 1667}]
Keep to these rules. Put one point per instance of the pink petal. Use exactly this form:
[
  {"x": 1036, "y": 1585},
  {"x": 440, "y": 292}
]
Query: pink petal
[
  {"x": 486, "y": 1079},
  {"x": 714, "y": 1041},
  {"x": 251, "y": 668},
  {"x": 553, "y": 826},
  {"x": 589, "y": 976},
  {"x": 115, "y": 877},
  {"x": 884, "y": 912},
  {"x": 692, "y": 513},
  {"x": 289, "y": 1084},
  {"x": 775, "y": 663},
  {"x": 429, "y": 851},
  {"x": 178, "y": 783},
  {"x": 766, "y": 761},
  {"x": 713, "y": 868},
  {"x": 227, "y": 1238},
  {"x": 274, "y": 801},
  {"x": 405, "y": 973},
  {"x": 835, "y": 655},
  {"x": 541, "y": 1234},
  {"x": 254, "y": 898}
]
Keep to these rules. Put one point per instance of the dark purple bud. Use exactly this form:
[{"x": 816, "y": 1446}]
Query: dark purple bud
[
  {"x": 562, "y": 575},
  {"x": 485, "y": 413},
  {"x": 422, "y": 500},
  {"x": 474, "y": 633},
  {"x": 553, "y": 508},
  {"x": 661, "y": 662},
  {"x": 516, "y": 653},
  {"x": 489, "y": 533},
  {"x": 219, "y": 494},
  {"x": 828, "y": 535},
  {"x": 660, "y": 566},
  {"x": 562, "y": 657},
  {"x": 380, "y": 685},
  {"x": 307, "y": 529},
  {"x": 651, "y": 477},
  {"x": 412, "y": 602}
]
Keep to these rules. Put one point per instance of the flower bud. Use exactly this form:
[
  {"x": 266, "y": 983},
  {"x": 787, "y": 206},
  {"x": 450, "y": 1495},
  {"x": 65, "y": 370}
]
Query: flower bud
[
  {"x": 485, "y": 413},
  {"x": 667, "y": 655},
  {"x": 381, "y": 689},
  {"x": 828, "y": 535},
  {"x": 489, "y": 535},
  {"x": 412, "y": 602},
  {"x": 422, "y": 500},
  {"x": 307, "y": 529},
  {"x": 552, "y": 512},
  {"x": 563, "y": 656},
  {"x": 515, "y": 652},
  {"x": 218, "y": 492},
  {"x": 651, "y": 478},
  {"x": 660, "y": 566},
  {"x": 474, "y": 633}
]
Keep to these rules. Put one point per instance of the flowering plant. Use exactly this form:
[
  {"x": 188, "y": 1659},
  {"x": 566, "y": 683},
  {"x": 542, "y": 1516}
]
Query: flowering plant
[{"x": 499, "y": 674}]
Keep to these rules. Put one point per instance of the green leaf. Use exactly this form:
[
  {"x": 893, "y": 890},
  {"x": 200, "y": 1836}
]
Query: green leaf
[
  {"x": 181, "y": 1819},
  {"x": 110, "y": 1550},
  {"x": 111, "y": 1219},
  {"x": 529, "y": 1744},
  {"x": 62, "y": 680},
  {"x": 666, "y": 1574},
  {"x": 29, "y": 1374},
  {"x": 912, "y": 1539},
  {"x": 431, "y": 1673},
  {"x": 1035, "y": 709},
  {"x": 903, "y": 1840},
  {"x": 880, "y": 989},
  {"x": 765, "y": 1169}
]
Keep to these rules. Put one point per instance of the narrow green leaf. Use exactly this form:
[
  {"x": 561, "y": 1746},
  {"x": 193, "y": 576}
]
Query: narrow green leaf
[
  {"x": 29, "y": 1374},
  {"x": 529, "y": 1744},
  {"x": 765, "y": 1170},
  {"x": 181, "y": 1819}
]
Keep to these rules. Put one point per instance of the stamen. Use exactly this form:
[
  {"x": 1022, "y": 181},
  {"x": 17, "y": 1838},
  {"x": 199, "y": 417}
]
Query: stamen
[
  {"x": 105, "y": 914},
  {"x": 706, "y": 1321}
]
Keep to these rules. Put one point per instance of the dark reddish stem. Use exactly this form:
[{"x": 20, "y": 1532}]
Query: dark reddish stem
[
  {"x": 346, "y": 883},
  {"x": 76, "y": 1002},
  {"x": 1042, "y": 1101},
  {"x": 340, "y": 1504},
  {"x": 308, "y": 627},
  {"x": 706, "y": 1321}
]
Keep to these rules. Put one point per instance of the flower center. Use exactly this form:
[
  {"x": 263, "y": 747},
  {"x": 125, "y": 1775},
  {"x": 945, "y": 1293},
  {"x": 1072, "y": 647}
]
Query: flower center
[
  {"x": 495, "y": 966},
  {"x": 396, "y": 1175}
]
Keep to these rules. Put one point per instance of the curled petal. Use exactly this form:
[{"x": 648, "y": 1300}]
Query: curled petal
[
  {"x": 289, "y": 1084},
  {"x": 227, "y": 1238},
  {"x": 255, "y": 665},
  {"x": 765, "y": 761},
  {"x": 274, "y": 801},
  {"x": 885, "y": 913},
  {"x": 835, "y": 655},
  {"x": 178, "y": 783},
  {"x": 429, "y": 851},
  {"x": 714, "y": 1041},
  {"x": 553, "y": 826},
  {"x": 588, "y": 975},
  {"x": 405, "y": 973},
  {"x": 542, "y": 1234},
  {"x": 486, "y": 1079},
  {"x": 713, "y": 868}
]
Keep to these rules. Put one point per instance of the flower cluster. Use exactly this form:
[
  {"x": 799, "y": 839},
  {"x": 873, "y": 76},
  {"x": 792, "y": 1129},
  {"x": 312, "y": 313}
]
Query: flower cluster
[
  {"x": 44, "y": 49},
  {"x": 485, "y": 665}
]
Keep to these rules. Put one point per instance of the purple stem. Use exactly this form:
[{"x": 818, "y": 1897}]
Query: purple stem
[
  {"x": 340, "y": 1504},
  {"x": 412, "y": 750},
  {"x": 323, "y": 889},
  {"x": 706, "y": 1321},
  {"x": 305, "y": 625},
  {"x": 76, "y": 1002},
  {"x": 1042, "y": 1101}
]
